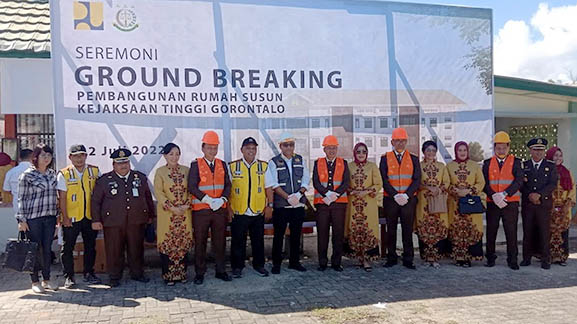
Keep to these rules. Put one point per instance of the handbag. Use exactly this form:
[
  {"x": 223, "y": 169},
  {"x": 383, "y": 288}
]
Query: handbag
[
  {"x": 150, "y": 233},
  {"x": 21, "y": 254},
  {"x": 471, "y": 205},
  {"x": 437, "y": 204}
]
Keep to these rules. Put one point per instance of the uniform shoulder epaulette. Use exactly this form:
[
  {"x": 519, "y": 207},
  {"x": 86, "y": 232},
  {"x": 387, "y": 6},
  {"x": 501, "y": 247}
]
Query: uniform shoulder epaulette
[{"x": 550, "y": 161}]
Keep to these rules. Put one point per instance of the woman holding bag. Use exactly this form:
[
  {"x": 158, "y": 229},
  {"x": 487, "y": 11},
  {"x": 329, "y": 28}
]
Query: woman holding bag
[
  {"x": 37, "y": 212},
  {"x": 432, "y": 225},
  {"x": 465, "y": 229}
]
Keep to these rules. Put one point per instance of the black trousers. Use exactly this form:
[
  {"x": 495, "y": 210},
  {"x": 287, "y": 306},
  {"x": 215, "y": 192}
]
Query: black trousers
[
  {"x": 84, "y": 226},
  {"x": 407, "y": 215},
  {"x": 327, "y": 216},
  {"x": 254, "y": 225},
  {"x": 42, "y": 232},
  {"x": 294, "y": 218},
  {"x": 536, "y": 231},
  {"x": 215, "y": 221},
  {"x": 510, "y": 217}
]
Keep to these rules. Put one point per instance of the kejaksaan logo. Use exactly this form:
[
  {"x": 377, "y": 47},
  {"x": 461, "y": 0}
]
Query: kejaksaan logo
[
  {"x": 126, "y": 19},
  {"x": 88, "y": 15}
]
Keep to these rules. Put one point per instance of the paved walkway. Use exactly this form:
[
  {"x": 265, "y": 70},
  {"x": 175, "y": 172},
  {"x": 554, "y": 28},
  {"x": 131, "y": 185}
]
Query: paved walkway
[{"x": 447, "y": 295}]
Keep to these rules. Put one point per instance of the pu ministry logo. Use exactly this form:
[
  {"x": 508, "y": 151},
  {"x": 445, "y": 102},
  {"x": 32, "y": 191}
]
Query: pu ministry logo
[
  {"x": 88, "y": 15},
  {"x": 126, "y": 19}
]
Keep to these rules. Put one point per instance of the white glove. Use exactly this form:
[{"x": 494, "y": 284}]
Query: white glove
[
  {"x": 400, "y": 199},
  {"x": 294, "y": 198},
  {"x": 501, "y": 204},
  {"x": 207, "y": 199},
  {"x": 327, "y": 201},
  {"x": 498, "y": 197},
  {"x": 405, "y": 197},
  {"x": 216, "y": 204},
  {"x": 333, "y": 196}
]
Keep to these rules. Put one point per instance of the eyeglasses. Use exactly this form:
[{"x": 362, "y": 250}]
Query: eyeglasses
[
  {"x": 290, "y": 144},
  {"x": 361, "y": 152}
]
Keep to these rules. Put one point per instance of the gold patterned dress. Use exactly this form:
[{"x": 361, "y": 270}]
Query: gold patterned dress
[
  {"x": 432, "y": 229},
  {"x": 174, "y": 231},
  {"x": 465, "y": 230},
  {"x": 362, "y": 223},
  {"x": 563, "y": 200}
]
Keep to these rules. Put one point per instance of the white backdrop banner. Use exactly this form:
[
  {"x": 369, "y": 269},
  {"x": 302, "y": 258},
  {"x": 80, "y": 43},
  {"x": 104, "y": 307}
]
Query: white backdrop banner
[{"x": 140, "y": 74}]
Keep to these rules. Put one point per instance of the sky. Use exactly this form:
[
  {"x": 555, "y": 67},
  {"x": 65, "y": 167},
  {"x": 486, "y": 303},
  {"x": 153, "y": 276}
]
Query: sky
[{"x": 532, "y": 39}]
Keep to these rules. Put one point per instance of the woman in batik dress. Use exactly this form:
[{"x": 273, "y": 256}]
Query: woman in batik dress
[
  {"x": 362, "y": 223},
  {"x": 465, "y": 230},
  {"x": 563, "y": 201},
  {"x": 174, "y": 222},
  {"x": 432, "y": 229}
]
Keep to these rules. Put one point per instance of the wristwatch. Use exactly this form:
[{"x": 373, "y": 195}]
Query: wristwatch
[{"x": 269, "y": 205}]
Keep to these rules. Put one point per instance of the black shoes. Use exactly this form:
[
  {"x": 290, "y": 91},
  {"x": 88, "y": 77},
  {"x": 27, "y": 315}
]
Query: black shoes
[
  {"x": 545, "y": 265},
  {"x": 525, "y": 263},
  {"x": 490, "y": 263},
  {"x": 261, "y": 271},
  {"x": 91, "y": 278},
  {"x": 114, "y": 283},
  {"x": 409, "y": 265},
  {"x": 198, "y": 280},
  {"x": 337, "y": 268},
  {"x": 390, "y": 264},
  {"x": 298, "y": 267},
  {"x": 275, "y": 269},
  {"x": 322, "y": 268},
  {"x": 223, "y": 276},
  {"x": 237, "y": 273},
  {"x": 514, "y": 266},
  {"x": 141, "y": 279}
]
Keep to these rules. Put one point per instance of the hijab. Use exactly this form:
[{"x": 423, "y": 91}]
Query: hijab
[
  {"x": 564, "y": 175},
  {"x": 457, "y": 145}
]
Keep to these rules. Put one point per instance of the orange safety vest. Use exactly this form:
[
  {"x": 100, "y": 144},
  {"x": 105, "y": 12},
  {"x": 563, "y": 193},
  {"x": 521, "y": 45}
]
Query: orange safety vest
[
  {"x": 323, "y": 173},
  {"x": 499, "y": 180},
  {"x": 210, "y": 183},
  {"x": 400, "y": 176}
]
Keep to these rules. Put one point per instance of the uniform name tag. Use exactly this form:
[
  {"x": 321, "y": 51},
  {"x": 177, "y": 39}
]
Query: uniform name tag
[{"x": 135, "y": 192}]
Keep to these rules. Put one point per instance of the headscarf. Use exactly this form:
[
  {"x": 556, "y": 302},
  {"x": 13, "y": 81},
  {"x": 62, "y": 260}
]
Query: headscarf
[
  {"x": 4, "y": 159},
  {"x": 457, "y": 145},
  {"x": 357, "y": 161},
  {"x": 564, "y": 174}
]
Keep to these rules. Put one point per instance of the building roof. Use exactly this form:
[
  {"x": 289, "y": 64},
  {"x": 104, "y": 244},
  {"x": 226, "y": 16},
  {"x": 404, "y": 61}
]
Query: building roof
[
  {"x": 25, "y": 28},
  {"x": 535, "y": 86}
]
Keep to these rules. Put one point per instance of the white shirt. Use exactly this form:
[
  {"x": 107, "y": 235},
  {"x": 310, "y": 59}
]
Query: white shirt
[
  {"x": 535, "y": 164},
  {"x": 248, "y": 211},
  {"x": 271, "y": 176},
  {"x": 61, "y": 186},
  {"x": 11, "y": 181},
  {"x": 124, "y": 177}
]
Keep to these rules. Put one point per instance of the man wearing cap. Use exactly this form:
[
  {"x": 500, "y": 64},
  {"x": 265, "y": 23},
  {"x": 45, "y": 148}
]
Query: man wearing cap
[
  {"x": 209, "y": 184},
  {"x": 122, "y": 206},
  {"x": 75, "y": 185},
  {"x": 287, "y": 179},
  {"x": 331, "y": 180},
  {"x": 248, "y": 202},
  {"x": 401, "y": 173},
  {"x": 503, "y": 179},
  {"x": 540, "y": 179}
]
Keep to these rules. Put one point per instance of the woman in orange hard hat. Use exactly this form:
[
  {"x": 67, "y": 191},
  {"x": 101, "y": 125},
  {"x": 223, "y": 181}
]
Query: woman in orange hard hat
[{"x": 401, "y": 175}]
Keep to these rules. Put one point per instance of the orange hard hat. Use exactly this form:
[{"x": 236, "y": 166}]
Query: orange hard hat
[
  {"x": 330, "y": 140},
  {"x": 400, "y": 134},
  {"x": 210, "y": 137}
]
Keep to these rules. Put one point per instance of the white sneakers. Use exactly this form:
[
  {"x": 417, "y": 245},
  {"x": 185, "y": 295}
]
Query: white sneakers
[
  {"x": 47, "y": 284},
  {"x": 37, "y": 288}
]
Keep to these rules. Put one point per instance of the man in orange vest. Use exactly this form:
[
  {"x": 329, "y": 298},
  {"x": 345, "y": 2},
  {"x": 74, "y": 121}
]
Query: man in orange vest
[
  {"x": 401, "y": 173},
  {"x": 209, "y": 184},
  {"x": 503, "y": 179},
  {"x": 331, "y": 180}
]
